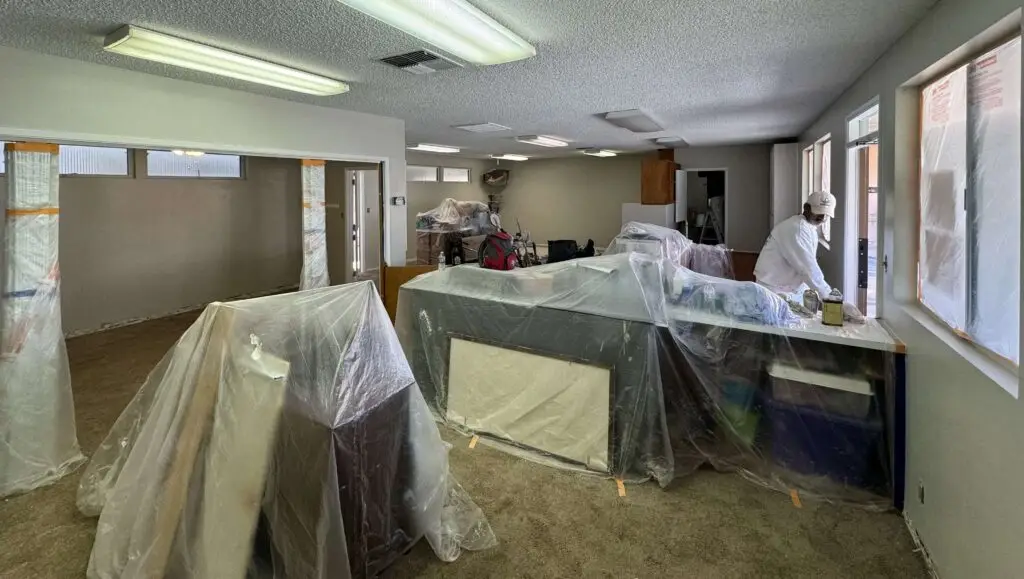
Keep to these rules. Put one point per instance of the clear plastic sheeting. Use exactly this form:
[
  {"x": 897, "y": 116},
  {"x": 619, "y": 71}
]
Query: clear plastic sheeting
[
  {"x": 632, "y": 366},
  {"x": 38, "y": 442},
  {"x": 969, "y": 274},
  {"x": 314, "y": 226},
  {"x": 453, "y": 228},
  {"x": 715, "y": 260},
  {"x": 280, "y": 437}
]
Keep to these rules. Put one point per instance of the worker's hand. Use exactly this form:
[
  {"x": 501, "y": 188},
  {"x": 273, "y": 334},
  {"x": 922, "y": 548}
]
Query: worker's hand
[{"x": 852, "y": 314}]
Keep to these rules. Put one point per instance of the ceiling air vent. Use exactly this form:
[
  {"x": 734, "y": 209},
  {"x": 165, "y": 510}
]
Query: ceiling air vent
[{"x": 420, "y": 62}]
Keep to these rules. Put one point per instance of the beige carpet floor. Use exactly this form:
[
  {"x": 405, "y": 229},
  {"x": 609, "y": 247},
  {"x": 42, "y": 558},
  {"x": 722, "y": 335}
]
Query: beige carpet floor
[{"x": 550, "y": 523}]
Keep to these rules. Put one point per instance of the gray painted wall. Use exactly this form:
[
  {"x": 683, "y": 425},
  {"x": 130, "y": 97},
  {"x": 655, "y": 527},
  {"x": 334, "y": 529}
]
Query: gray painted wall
[
  {"x": 135, "y": 248},
  {"x": 43, "y": 99},
  {"x": 965, "y": 431},
  {"x": 571, "y": 198},
  {"x": 747, "y": 189}
]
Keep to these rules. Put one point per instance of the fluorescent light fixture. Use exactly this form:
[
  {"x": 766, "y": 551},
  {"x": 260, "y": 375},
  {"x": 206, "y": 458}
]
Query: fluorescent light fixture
[
  {"x": 180, "y": 153},
  {"x": 510, "y": 157},
  {"x": 434, "y": 148},
  {"x": 671, "y": 142},
  {"x": 149, "y": 45},
  {"x": 483, "y": 128},
  {"x": 598, "y": 153},
  {"x": 454, "y": 26},
  {"x": 634, "y": 120},
  {"x": 542, "y": 141}
]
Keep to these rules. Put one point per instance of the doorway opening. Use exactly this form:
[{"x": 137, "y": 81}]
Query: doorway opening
[
  {"x": 352, "y": 221},
  {"x": 861, "y": 240},
  {"x": 705, "y": 198}
]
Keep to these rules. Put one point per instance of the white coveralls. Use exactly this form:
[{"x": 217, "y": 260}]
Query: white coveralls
[{"x": 788, "y": 263}]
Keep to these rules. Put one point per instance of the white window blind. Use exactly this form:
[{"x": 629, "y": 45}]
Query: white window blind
[
  {"x": 421, "y": 173},
  {"x": 455, "y": 175},
  {"x": 193, "y": 164},
  {"x": 82, "y": 160}
]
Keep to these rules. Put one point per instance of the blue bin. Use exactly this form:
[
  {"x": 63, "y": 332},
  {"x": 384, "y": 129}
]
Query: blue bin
[{"x": 808, "y": 441}]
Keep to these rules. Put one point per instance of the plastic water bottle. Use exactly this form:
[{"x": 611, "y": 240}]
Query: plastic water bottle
[
  {"x": 440, "y": 261},
  {"x": 457, "y": 260}
]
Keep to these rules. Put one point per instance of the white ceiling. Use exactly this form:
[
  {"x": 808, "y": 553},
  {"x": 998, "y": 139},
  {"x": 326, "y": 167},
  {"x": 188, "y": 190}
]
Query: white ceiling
[{"x": 712, "y": 71}]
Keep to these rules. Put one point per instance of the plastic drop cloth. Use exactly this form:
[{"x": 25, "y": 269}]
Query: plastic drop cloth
[
  {"x": 314, "y": 227},
  {"x": 969, "y": 266},
  {"x": 454, "y": 228},
  {"x": 698, "y": 370},
  {"x": 715, "y": 260},
  {"x": 38, "y": 442},
  {"x": 280, "y": 437}
]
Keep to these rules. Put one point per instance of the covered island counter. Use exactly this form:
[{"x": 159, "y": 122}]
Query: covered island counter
[{"x": 635, "y": 367}]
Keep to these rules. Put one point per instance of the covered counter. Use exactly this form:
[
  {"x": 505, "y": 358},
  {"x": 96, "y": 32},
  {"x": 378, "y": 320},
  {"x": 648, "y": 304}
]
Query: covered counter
[{"x": 635, "y": 367}]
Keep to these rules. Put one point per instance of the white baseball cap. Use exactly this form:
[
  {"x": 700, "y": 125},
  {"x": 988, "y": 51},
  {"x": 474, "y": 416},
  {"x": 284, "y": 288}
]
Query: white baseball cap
[{"x": 822, "y": 203}]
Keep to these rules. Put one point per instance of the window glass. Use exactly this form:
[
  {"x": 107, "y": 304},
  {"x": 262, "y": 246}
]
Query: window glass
[
  {"x": 420, "y": 173},
  {"x": 181, "y": 163},
  {"x": 455, "y": 175},
  {"x": 81, "y": 160}
]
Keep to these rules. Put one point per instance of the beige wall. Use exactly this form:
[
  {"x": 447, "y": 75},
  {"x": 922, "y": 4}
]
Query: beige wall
[
  {"x": 572, "y": 197},
  {"x": 747, "y": 189},
  {"x": 965, "y": 432},
  {"x": 135, "y": 248},
  {"x": 425, "y": 196}
]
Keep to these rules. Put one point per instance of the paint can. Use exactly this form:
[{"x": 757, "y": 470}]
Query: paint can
[{"x": 832, "y": 309}]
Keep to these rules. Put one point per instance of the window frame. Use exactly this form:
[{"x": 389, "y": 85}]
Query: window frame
[
  {"x": 243, "y": 167},
  {"x": 437, "y": 173},
  {"x": 469, "y": 175},
  {"x": 129, "y": 169},
  {"x": 970, "y": 207}
]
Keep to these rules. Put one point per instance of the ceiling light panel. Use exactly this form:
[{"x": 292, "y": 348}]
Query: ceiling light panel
[
  {"x": 542, "y": 141},
  {"x": 510, "y": 157},
  {"x": 434, "y": 148},
  {"x": 158, "y": 47},
  {"x": 671, "y": 141},
  {"x": 483, "y": 128},
  {"x": 634, "y": 120},
  {"x": 455, "y": 26},
  {"x": 598, "y": 153}
]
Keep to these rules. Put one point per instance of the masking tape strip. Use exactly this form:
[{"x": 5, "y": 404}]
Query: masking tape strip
[
  {"x": 313, "y": 163},
  {"x": 312, "y": 204},
  {"x": 795, "y": 497},
  {"x": 473, "y": 441},
  {"x": 40, "y": 211},
  {"x": 33, "y": 147},
  {"x": 622, "y": 487}
]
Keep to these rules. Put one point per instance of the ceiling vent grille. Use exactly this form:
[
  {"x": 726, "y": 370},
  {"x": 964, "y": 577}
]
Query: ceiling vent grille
[{"x": 420, "y": 62}]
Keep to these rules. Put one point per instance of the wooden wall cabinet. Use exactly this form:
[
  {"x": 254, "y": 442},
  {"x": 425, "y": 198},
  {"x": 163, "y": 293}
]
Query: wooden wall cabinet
[{"x": 658, "y": 182}]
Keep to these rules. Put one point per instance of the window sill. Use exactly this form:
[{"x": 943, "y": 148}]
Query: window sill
[{"x": 1005, "y": 378}]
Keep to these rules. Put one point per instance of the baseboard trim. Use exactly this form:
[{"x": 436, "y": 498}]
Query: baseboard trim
[
  {"x": 182, "y": 310},
  {"x": 920, "y": 548}
]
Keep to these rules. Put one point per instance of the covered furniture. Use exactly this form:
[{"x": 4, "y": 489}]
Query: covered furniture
[
  {"x": 280, "y": 437},
  {"x": 687, "y": 362}
]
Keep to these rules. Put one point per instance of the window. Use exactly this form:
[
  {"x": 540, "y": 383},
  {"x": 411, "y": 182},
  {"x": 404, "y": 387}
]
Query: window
[
  {"x": 861, "y": 211},
  {"x": 969, "y": 245},
  {"x": 454, "y": 175},
  {"x": 807, "y": 181},
  {"x": 420, "y": 173},
  {"x": 823, "y": 182},
  {"x": 180, "y": 163},
  {"x": 79, "y": 160}
]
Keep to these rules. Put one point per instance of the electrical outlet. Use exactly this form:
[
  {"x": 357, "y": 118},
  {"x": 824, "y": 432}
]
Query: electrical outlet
[{"x": 920, "y": 491}]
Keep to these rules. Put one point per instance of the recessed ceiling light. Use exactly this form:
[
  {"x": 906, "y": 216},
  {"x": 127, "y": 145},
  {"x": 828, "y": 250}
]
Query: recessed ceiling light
[
  {"x": 434, "y": 148},
  {"x": 483, "y": 128},
  {"x": 542, "y": 141},
  {"x": 598, "y": 153},
  {"x": 149, "y": 45},
  {"x": 510, "y": 157},
  {"x": 454, "y": 26},
  {"x": 634, "y": 120}
]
